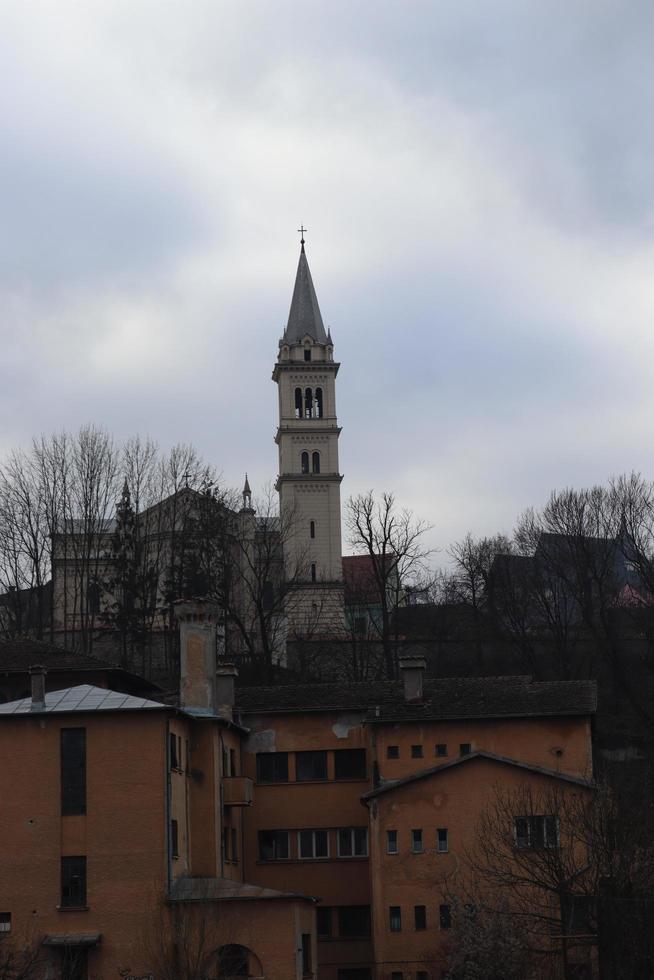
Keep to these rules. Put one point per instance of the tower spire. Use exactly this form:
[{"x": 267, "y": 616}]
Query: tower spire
[{"x": 304, "y": 317}]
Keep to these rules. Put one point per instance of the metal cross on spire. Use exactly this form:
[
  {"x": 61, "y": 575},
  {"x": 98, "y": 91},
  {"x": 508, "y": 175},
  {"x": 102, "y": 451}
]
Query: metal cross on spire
[{"x": 302, "y": 230}]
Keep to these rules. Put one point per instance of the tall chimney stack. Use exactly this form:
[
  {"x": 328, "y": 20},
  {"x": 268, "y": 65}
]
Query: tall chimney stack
[
  {"x": 197, "y": 654},
  {"x": 37, "y": 683},
  {"x": 412, "y": 671}
]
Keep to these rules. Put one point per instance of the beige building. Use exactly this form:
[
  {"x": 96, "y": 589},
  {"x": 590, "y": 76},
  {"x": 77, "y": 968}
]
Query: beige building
[{"x": 309, "y": 480}]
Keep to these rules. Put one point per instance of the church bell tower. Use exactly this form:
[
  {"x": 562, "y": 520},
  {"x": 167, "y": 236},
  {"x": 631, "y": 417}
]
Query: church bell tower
[{"x": 309, "y": 481}]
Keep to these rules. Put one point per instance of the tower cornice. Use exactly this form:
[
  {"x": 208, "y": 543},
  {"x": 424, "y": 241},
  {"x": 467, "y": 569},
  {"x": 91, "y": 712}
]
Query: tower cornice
[{"x": 311, "y": 366}]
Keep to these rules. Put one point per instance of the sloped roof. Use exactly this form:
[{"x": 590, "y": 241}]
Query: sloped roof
[
  {"x": 393, "y": 784},
  {"x": 445, "y": 698},
  {"x": 223, "y": 889},
  {"x": 22, "y": 653},
  {"x": 304, "y": 316},
  {"x": 83, "y": 697}
]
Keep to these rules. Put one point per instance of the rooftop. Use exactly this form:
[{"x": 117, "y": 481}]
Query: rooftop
[
  {"x": 304, "y": 316},
  {"x": 392, "y": 784},
  {"x": 83, "y": 697},
  {"x": 223, "y": 889},
  {"x": 445, "y": 698}
]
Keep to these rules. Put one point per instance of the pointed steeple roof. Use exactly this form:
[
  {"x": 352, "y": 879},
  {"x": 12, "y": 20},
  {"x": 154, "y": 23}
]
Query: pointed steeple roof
[
  {"x": 246, "y": 488},
  {"x": 304, "y": 316}
]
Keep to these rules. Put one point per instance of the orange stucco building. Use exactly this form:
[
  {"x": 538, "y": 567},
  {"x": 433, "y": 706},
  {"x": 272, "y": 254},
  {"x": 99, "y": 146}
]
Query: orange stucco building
[
  {"x": 123, "y": 830},
  {"x": 366, "y": 796},
  {"x": 301, "y": 830}
]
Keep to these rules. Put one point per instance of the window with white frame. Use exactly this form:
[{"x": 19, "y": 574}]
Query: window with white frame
[
  {"x": 536, "y": 831},
  {"x": 441, "y": 840},
  {"x": 353, "y": 842},
  {"x": 416, "y": 841},
  {"x": 392, "y": 844},
  {"x": 313, "y": 844}
]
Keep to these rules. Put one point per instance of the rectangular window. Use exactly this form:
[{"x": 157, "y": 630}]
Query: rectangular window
[
  {"x": 310, "y": 766},
  {"x": 420, "y": 917},
  {"x": 354, "y": 921},
  {"x": 350, "y": 764},
  {"x": 416, "y": 751},
  {"x": 445, "y": 916},
  {"x": 306, "y": 954},
  {"x": 353, "y": 842},
  {"x": 441, "y": 750},
  {"x": 174, "y": 839},
  {"x": 313, "y": 843},
  {"x": 73, "y": 771},
  {"x": 422, "y": 975},
  {"x": 536, "y": 832},
  {"x": 323, "y": 922},
  {"x": 307, "y": 354},
  {"x": 274, "y": 845},
  {"x": 397, "y": 975},
  {"x": 5, "y": 921},
  {"x": 395, "y": 918},
  {"x": 392, "y": 846},
  {"x": 392, "y": 751},
  {"x": 73, "y": 882},
  {"x": 465, "y": 748},
  {"x": 272, "y": 767},
  {"x": 232, "y": 763},
  {"x": 441, "y": 840},
  {"x": 174, "y": 756},
  {"x": 416, "y": 841}
]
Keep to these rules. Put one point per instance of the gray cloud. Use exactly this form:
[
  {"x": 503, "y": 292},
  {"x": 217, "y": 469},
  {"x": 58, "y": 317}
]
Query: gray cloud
[{"x": 476, "y": 181}]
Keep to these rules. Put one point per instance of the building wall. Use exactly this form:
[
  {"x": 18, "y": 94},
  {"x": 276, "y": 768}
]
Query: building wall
[
  {"x": 452, "y": 800},
  {"x": 122, "y": 835},
  {"x": 329, "y": 805}
]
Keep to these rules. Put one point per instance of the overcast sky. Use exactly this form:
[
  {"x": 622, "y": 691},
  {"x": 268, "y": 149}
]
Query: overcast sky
[{"x": 477, "y": 180}]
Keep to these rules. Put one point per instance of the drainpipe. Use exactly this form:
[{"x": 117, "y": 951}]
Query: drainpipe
[{"x": 168, "y": 809}]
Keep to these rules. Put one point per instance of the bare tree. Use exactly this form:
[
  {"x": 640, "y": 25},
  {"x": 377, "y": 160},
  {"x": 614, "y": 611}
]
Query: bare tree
[
  {"x": 21, "y": 957},
  {"x": 393, "y": 540},
  {"x": 488, "y": 945}
]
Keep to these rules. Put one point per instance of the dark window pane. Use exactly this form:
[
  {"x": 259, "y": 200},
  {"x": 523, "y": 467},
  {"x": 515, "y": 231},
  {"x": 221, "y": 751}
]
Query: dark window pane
[
  {"x": 393, "y": 752},
  {"x": 465, "y": 748},
  {"x": 416, "y": 751},
  {"x": 420, "y": 915},
  {"x": 416, "y": 841},
  {"x": 73, "y": 881},
  {"x": 323, "y": 922},
  {"x": 361, "y": 841},
  {"x": 441, "y": 749},
  {"x": 272, "y": 767},
  {"x": 73, "y": 770},
  {"x": 445, "y": 916},
  {"x": 397, "y": 975},
  {"x": 306, "y": 948},
  {"x": 174, "y": 838},
  {"x": 350, "y": 764},
  {"x": 391, "y": 841},
  {"x": 441, "y": 840},
  {"x": 273, "y": 845},
  {"x": 354, "y": 920},
  {"x": 395, "y": 918},
  {"x": 310, "y": 765}
]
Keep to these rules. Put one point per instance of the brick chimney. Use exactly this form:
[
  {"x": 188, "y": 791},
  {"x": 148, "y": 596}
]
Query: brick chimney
[
  {"x": 226, "y": 675},
  {"x": 37, "y": 684},
  {"x": 197, "y": 654},
  {"x": 412, "y": 671}
]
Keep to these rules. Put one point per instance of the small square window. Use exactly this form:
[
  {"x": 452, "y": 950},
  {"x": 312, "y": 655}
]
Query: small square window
[
  {"x": 395, "y": 918},
  {"x": 441, "y": 840},
  {"x": 441, "y": 750},
  {"x": 392, "y": 751},
  {"x": 416, "y": 841},
  {"x": 313, "y": 844},
  {"x": 465, "y": 748},
  {"x": 445, "y": 916},
  {"x": 420, "y": 917},
  {"x": 5, "y": 921},
  {"x": 349, "y": 764},
  {"x": 416, "y": 751},
  {"x": 391, "y": 842}
]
